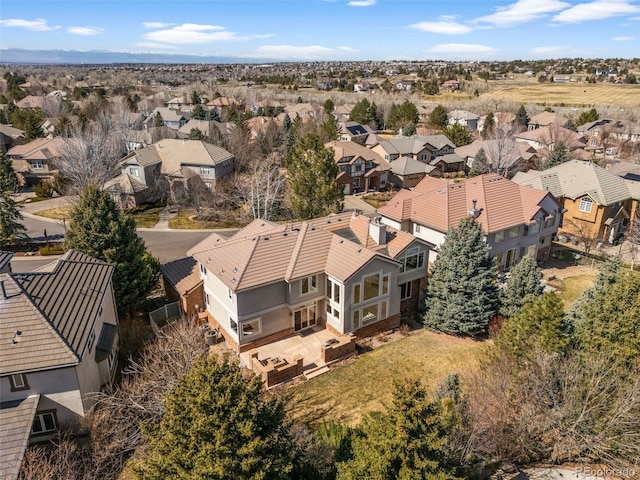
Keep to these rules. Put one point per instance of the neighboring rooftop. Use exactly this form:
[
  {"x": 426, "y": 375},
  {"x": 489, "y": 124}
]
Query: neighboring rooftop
[{"x": 16, "y": 418}]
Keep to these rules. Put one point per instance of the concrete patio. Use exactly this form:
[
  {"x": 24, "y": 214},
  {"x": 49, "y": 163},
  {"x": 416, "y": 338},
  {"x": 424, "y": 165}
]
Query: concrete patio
[{"x": 305, "y": 346}]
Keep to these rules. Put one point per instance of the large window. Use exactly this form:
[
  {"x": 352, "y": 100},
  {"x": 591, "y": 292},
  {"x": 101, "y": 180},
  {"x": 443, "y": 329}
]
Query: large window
[
  {"x": 499, "y": 236},
  {"x": 550, "y": 220},
  {"x": 413, "y": 259},
  {"x": 514, "y": 232},
  {"x": 252, "y": 327},
  {"x": 534, "y": 229},
  {"x": 309, "y": 284},
  {"x": 135, "y": 172},
  {"x": 371, "y": 286},
  {"x": 585, "y": 205},
  {"x": 369, "y": 314},
  {"x": 37, "y": 164},
  {"x": 304, "y": 317},
  {"x": 333, "y": 295},
  {"x": 44, "y": 422},
  {"x": 356, "y": 293},
  {"x": 205, "y": 171}
]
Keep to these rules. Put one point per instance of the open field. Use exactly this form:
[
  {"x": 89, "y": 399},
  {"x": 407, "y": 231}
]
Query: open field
[
  {"x": 569, "y": 94},
  {"x": 366, "y": 384}
]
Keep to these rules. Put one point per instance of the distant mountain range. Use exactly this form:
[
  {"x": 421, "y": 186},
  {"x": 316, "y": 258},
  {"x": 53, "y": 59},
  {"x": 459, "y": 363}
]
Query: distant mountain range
[{"x": 92, "y": 57}]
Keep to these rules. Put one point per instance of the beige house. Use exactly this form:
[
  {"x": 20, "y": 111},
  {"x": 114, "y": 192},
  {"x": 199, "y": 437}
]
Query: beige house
[
  {"x": 361, "y": 169},
  {"x": 516, "y": 220},
  {"x": 58, "y": 331},
  {"x": 345, "y": 273},
  {"x": 35, "y": 161}
]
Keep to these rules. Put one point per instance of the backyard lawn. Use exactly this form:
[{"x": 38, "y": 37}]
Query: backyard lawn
[
  {"x": 185, "y": 220},
  {"x": 366, "y": 384}
]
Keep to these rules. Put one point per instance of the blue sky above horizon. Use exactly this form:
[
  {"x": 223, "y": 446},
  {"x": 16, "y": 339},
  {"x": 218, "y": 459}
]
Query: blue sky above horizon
[{"x": 292, "y": 30}]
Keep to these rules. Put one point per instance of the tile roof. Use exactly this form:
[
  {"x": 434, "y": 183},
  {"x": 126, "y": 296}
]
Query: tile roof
[
  {"x": 38, "y": 149},
  {"x": 47, "y": 316},
  {"x": 352, "y": 151},
  {"x": 440, "y": 204},
  {"x": 16, "y": 419},
  {"x": 176, "y": 153},
  {"x": 182, "y": 274},
  {"x": 125, "y": 183},
  {"x": 577, "y": 178},
  {"x": 257, "y": 255},
  {"x": 11, "y": 131},
  {"x": 5, "y": 258},
  {"x": 409, "y": 166}
]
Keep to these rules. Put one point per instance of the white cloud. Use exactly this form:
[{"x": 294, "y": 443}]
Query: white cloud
[
  {"x": 522, "y": 11},
  {"x": 192, "y": 33},
  {"x": 38, "y": 25},
  {"x": 622, "y": 39},
  {"x": 550, "y": 51},
  {"x": 445, "y": 27},
  {"x": 156, "y": 46},
  {"x": 461, "y": 48},
  {"x": 154, "y": 25},
  {"x": 85, "y": 30},
  {"x": 597, "y": 10},
  {"x": 348, "y": 49},
  {"x": 290, "y": 52},
  {"x": 361, "y": 3}
]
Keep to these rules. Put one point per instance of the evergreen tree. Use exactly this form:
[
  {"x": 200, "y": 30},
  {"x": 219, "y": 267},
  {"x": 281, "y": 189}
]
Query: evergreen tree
[
  {"x": 462, "y": 295},
  {"x": 540, "y": 325},
  {"x": 522, "y": 117},
  {"x": 586, "y": 117},
  {"x": 8, "y": 178},
  {"x": 195, "y": 134},
  {"x": 158, "y": 120},
  {"x": 363, "y": 112},
  {"x": 607, "y": 319},
  {"x": 213, "y": 115},
  {"x": 328, "y": 106},
  {"x": 97, "y": 228},
  {"x": 402, "y": 115},
  {"x": 195, "y": 98},
  {"x": 480, "y": 165},
  {"x": 489, "y": 125},
  {"x": 404, "y": 443},
  {"x": 12, "y": 232},
  {"x": 218, "y": 424},
  {"x": 439, "y": 117},
  {"x": 569, "y": 125},
  {"x": 524, "y": 282},
  {"x": 329, "y": 129},
  {"x": 312, "y": 172},
  {"x": 199, "y": 113},
  {"x": 33, "y": 129},
  {"x": 458, "y": 134},
  {"x": 559, "y": 154}
]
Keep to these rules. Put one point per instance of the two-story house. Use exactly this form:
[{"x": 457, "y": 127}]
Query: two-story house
[
  {"x": 517, "y": 220},
  {"x": 36, "y": 160},
  {"x": 503, "y": 155},
  {"x": 597, "y": 202},
  {"x": 173, "y": 119},
  {"x": 422, "y": 148},
  {"x": 360, "y": 169},
  {"x": 58, "y": 344},
  {"x": 177, "y": 161},
  {"x": 469, "y": 120},
  {"x": 346, "y": 272}
]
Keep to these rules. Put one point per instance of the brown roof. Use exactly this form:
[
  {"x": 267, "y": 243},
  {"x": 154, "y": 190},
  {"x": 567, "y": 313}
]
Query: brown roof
[
  {"x": 182, "y": 274},
  {"x": 38, "y": 149},
  {"x": 264, "y": 252},
  {"x": 440, "y": 204},
  {"x": 348, "y": 152},
  {"x": 47, "y": 316},
  {"x": 16, "y": 419}
]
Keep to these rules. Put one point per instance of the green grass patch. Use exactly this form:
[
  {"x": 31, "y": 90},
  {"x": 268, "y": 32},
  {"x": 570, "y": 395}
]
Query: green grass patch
[
  {"x": 366, "y": 384},
  {"x": 185, "y": 219}
]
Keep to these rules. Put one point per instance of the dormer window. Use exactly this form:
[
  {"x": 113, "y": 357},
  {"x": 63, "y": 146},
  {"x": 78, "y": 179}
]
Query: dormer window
[{"x": 135, "y": 172}]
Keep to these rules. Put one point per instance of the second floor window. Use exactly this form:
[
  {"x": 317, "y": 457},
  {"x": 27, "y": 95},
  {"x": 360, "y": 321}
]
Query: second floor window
[
  {"x": 135, "y": 172},
  {"x": 18, "y": 381},
  {"x": 585, "y": 205},
  {"x": 205, "y": 171},
  {"x": 413, "y": 259},
  {"x": 309, "y": 284},
  {"x": 37, "y": 164}
]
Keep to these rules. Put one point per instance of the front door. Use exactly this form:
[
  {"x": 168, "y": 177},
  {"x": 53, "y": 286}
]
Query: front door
[{"x": 304, "y": 317}]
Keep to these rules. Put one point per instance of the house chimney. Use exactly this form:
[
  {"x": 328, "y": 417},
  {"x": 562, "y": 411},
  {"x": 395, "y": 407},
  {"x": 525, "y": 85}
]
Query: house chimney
[
  {"x": 378, "y": 231},
  {"x": 474, "y": 210}
]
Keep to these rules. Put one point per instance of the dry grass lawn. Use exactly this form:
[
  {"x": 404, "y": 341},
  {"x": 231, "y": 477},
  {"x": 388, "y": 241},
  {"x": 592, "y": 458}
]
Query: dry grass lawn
[
  {"x": 366, "y": 384},
  {"x": 569, "y": 94},
  {"x": 57, "y": 213},
  {"x": 570, "y": 288}
]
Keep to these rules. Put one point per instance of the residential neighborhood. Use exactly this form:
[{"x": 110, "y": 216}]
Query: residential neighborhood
[{"x": 328, "y": 238}]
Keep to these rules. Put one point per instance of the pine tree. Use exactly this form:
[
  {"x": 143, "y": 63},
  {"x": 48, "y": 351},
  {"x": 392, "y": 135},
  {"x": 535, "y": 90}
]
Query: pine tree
[
  {"x": 480, "y": 165},
  {"x": 439, "y": 117},
  {"x": 489, "y": 125},
  {"x": 404, "y": 443},
  {"x": 312, "y": 172},
  {"x": 12, "y": 232},
  {"x": 402, "y": 115},
  {"x": 559, "y": 154},
  {"x": 539, "y": 326},
  {"x": 158, "y": 120},
  {"x": 218, "y": 424},
  {"x": 522, "y": 117},
  {"x": 8, "y": 178},
  {"x": 462, "y": 295},
  {"x": 524, "y": 282},
  {"x": 198, "y": 113},
  {"x": 458, "y": 134},
  {"x": 97, "y": 228}
]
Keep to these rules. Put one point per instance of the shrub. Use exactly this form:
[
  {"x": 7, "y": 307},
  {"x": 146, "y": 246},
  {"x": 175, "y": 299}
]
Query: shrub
[
  {"x": 51, "y": 250},
  {"x": 44, "y": 189}
]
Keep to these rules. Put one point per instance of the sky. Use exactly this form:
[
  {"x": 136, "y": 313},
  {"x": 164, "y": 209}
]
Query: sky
[{"x": 295, "y": 30}]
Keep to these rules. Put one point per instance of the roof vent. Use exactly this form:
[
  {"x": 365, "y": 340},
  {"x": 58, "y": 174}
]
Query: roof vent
[
  {"x": 233, "y": 280},
  {"x": 265, "y": 238},
  {"x": 474, "y": 210},
  {"x": 235, "y": 269},
  {"x": 16, "y": 337}
]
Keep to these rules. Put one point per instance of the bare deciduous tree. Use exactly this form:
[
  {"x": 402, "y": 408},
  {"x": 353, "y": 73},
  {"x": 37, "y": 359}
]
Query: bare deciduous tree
[
  {"x": 502, "y": 151},
  {"x": 263, "y": 189}
]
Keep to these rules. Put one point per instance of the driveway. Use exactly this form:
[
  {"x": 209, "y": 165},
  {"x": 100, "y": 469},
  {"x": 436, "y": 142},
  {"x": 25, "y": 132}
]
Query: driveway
[{"x": 355, "y": 202}]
